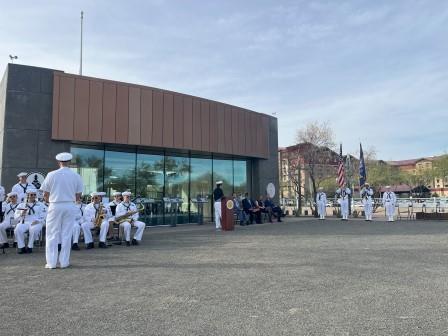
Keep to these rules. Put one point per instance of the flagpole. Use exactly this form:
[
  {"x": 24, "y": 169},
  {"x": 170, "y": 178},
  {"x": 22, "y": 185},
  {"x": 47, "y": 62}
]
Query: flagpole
[{"x": 80, "y": 58}]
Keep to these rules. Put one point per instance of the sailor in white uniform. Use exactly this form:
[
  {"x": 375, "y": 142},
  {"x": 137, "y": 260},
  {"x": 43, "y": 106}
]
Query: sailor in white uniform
[
  {"x": 92, "y": 210},
  {"x": 128, "y": 207},
  {"x": 78, "y": 224},
  {"x": 367, "y": 201},
  {"x": 343, "y": 199},
  {"x": 321, "y": 203},
  {"x": 8, "y": 209},
  {"x": 30, "y": 216},
  {"x": 21, "y": 187},
  {"x": 389, "y": 201},
  {"x": 62, "y": 188}
]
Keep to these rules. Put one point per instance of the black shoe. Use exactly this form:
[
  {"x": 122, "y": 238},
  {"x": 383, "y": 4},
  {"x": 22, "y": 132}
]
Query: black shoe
[
  {"x": 89, "y": 246},
  {"x": 134, "y": 242},
  {"x": 117, "y": 242},
  {"x": 128, "y": 243},
  {"x": 75, "y": 247},
  {"x": 279, "y": 220},
  {"x": 14, "y": 244},
  {"x": 5, "y": 245},
  {"x": 22, "y": 250},
  {"x": 102, "y": 245},
  {"x": 29, "y": 250},
  {"x": 59, "y": 247}
]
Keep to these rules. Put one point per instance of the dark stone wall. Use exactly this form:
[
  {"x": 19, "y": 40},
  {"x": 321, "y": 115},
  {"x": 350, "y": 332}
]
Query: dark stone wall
[
  {"x": 266, "y": 171},
  {"x": 27, "y": 144}
]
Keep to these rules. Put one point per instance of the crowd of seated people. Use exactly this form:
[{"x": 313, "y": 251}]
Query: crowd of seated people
[{"x": 247, "y": 210}]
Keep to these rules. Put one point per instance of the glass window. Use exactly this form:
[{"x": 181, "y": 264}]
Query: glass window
[
  {"x": 223, "y": 170},
  {"x": 240, "y": 177},
  {"x": 150, "y": 183},
  {"x": 176, "y": 184},
  {"x": 119, "y": 171},
  {"x": 200, "y": 185},
  {"x": 88, "y": 163}
]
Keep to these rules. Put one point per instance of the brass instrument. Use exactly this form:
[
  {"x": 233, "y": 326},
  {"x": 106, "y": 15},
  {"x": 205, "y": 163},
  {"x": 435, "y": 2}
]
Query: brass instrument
[
  {"x": 125, "y": 217},
  {"x": 99, "y": 216}
]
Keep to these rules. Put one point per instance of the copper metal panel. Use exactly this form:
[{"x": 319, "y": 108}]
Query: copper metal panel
[
  {"x": 134, "y": 116},
  {"x": 95, "y": 111},
  {"x": 178, "y": 122},
  {"x": 82, "y": 88},
  {"x": 197, "y": 124},
  {"x": 146, "y": 117},
  {"x": 168, "y": 120},
  {"x": 213, "y": 127},
  {"x": 205, "y": 126},
  {"x": 241, "y": 132},
  {"x": 235, "y": 134},
  {"x": 248, "y": 133},
  {"x": 188, "y": 122},
  {"x": 109, "y": 112},
  {"x": 122, "y": 116},
  {"x": 66, "y": 107},
  {"x": 228, "y": 130},
  {"x": 55, "y": 115},
  {"x": 157, "y": 118},
  {"x": 221, "y": 128}
]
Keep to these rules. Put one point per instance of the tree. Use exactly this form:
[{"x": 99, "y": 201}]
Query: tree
[
  {"x": 316, "y": 153},
  {"x": 440, "y": 166}
]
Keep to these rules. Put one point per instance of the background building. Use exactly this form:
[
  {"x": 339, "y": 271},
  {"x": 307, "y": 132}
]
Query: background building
[{"x": 155, "y": 143}]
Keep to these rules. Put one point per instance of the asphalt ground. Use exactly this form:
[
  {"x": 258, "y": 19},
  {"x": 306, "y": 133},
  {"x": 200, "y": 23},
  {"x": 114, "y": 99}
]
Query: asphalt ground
[{"x": 300, "y": 277}]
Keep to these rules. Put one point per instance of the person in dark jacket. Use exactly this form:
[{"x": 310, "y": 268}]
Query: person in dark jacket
[{"x": 249, "y": 207}]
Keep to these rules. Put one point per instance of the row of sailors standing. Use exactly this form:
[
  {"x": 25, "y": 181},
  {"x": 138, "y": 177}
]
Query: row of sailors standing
[
  {"x": 29, "y": 216},
  {"x": 389, "y": 200}
]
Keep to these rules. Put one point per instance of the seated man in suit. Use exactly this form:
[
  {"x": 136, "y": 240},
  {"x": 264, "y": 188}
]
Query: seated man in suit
[
  {"x": 272, "y": 209},
  {"x": 238, "y": 210},
  {"x": 250, "y": 208}
]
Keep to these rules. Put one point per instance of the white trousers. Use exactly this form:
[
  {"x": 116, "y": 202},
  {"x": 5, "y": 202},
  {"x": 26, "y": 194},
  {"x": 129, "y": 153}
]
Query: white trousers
[
  {"x": 86, "y": 227},
  {"x": 60, "y": 218},
  {"x": 3, "y": 226},
  {"x": 76, "y": 232},
  {"x": 344, "y": 208},
  {"x": 33, "y": 233},
  {"x": 127, "y": 230},
  {"x": 321, "y": 209},
  {"x": 390, "y": 210},
  {"x": 218, "y": 214},
  {"x": 368, "y": 210}
]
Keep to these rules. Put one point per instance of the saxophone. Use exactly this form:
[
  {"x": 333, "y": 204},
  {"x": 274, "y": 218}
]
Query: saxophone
[
  {"x": 125, "y": 217},
  {"x": 99, "y": 216}
]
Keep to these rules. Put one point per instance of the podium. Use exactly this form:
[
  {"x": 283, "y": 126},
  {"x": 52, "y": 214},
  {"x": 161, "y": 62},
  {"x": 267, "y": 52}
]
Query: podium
[{"x": 227, "y": 220}]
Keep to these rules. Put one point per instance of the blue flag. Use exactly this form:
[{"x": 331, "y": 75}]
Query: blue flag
[{"x": 362, "y": 168}]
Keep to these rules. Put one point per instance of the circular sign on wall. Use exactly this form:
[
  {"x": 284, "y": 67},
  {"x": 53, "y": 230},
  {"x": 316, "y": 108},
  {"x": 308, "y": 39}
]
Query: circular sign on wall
[
  {"x": 229, "y": 204},
  {"x": 36, "y": 179},
  {"x": 270, "y": 190}
]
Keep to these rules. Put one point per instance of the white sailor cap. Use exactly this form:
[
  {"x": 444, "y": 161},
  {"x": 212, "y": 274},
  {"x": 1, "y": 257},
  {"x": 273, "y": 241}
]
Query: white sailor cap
[
  {"x": 64, "y": 157},
  {"x": 218, "y": 182},
  {"x": 126, "y": 193},
  {"x": 31, "y": 191},
  {"x": 320, "y": 188},
  {"x": 94, "y": 194},
  {"x": 387, "y": 187},
  {"x": 101, "y": 193},
  {"x": 12, "y": 193},
  {"x": 22, "y": 174},
  {"x": 367, "y": 184},
  {"x": 117, "y": 193}
]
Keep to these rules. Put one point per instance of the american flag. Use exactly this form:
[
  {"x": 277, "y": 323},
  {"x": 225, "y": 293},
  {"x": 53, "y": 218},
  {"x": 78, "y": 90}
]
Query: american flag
[{"x": 341, "y": 169}]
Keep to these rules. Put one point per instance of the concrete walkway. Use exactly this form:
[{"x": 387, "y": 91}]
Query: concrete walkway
[{"x": 301, "y": 277}]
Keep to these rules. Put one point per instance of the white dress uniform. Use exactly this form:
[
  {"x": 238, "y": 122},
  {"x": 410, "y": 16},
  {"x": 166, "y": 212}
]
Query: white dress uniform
[
  {"x": 122, "y": 209},
  {"x": 21, "y": 189},
  {"x": 32, "y": 223},
  {"x": 63, "y": 185},
  {"x": 9, "y": 210},
  {"x": 343, "y": 194},
  {"x": 367, "y": 201},
  {"x": 90, "y": 212},
  {"x": 79, "y": 222},
  {"x": 389, "y": 200},
  {"x": 321, "y": 202}
]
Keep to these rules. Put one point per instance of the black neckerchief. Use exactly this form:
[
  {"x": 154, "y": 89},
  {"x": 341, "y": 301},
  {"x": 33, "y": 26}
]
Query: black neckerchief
[
  {"x": 127, "y": 207},
  {"x": 32, "y": 211},
  {"x": 80, "y": 209},
  {"x": 12, "y": 208},
  {"x": 96, "y": 209},
  {"x": 24, "y": 187}
]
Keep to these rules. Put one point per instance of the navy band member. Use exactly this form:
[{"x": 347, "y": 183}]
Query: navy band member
[
  {"x": 21, "y": 187},
  {"x": 8, "y": 209},
  {"x": 125, "y": 207},
  {"x": 217, "y": 196}
]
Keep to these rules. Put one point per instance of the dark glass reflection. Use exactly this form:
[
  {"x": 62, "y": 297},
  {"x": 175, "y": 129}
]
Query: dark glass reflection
[
  {"x": 176, "y": 185},
  {"x": 223, "y": 171},
  {"x": 89, "y": 163},
  {"x": 200, "y": 184},
  {"x": 240, "y": 177},
  {"x": 119, "y": 172}
]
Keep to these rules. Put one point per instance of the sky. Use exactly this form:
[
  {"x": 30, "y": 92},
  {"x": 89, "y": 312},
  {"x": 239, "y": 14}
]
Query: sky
[{"x": 375, "y": 71}]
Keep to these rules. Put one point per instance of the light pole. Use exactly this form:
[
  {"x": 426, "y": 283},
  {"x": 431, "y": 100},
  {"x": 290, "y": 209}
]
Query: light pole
[{"x": 13, "y": 58}]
